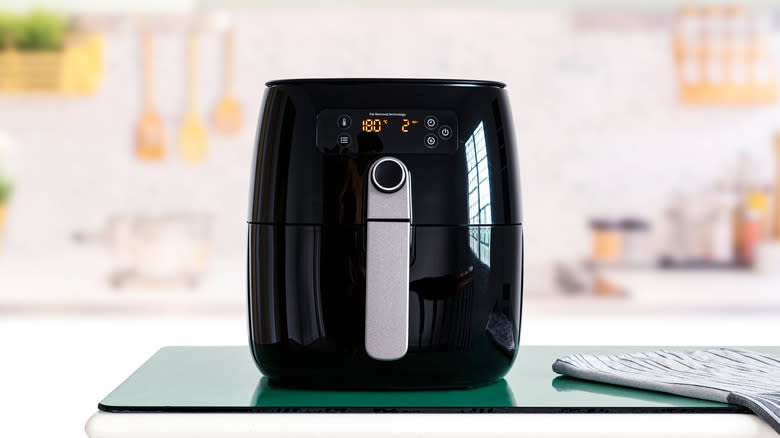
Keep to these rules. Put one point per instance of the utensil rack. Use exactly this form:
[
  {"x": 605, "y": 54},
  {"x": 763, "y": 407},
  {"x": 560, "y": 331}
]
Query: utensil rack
[{"x": 722, "y": 55}]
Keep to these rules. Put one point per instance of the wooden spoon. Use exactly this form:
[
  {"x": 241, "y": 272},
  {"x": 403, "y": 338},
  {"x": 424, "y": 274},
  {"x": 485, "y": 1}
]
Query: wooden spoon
[
  {"x": 227, "y": 114},
  {"x": 193, "y": 143},
  {"x": 150, "y": 133}
]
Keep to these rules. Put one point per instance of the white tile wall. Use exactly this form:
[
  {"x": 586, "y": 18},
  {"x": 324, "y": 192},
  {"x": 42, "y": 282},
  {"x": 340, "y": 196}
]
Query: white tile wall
[{"x": 599, "y": 127}]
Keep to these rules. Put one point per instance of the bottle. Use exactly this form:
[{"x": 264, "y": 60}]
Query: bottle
[
  {"x": 676, "y": 217},
  {"x": 758, "y": 201},
  {"x": 776, "y": 221},
  {"x": 750, "y": 236},
  {"x": 606, "y": 241},
  {"x": 636, "y": 246},
  {"x": 721, "y": 244}
]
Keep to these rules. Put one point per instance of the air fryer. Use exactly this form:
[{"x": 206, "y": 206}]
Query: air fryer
[{"x": 385, "y": 234}]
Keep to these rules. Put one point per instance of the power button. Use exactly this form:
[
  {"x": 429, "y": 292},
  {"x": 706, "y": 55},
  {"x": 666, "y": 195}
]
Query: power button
[{"x": 445, "y": 132}]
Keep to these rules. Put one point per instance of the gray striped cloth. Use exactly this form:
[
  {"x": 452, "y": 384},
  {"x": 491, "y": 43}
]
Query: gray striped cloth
[{"x": 726, "y": 375}]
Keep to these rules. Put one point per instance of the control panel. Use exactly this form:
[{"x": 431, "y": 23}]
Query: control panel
[{"x": 357, "y": 131}]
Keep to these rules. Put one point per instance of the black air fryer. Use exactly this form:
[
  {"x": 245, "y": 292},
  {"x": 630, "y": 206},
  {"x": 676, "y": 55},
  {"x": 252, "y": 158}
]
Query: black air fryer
[{"x": 385, "y": 234}]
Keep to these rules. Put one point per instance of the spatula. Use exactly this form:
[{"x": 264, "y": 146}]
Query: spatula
[
  {"x": 227, "y": 114},
  {"x": 193, "y": 142},
  {"x": 150, "y": 133}
]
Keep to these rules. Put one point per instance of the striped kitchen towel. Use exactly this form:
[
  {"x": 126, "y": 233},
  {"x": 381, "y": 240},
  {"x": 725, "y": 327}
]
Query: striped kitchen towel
[{"x": 726, "y": 375}]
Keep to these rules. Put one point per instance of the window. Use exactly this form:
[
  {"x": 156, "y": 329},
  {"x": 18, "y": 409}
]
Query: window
[{"x": 479, "y": 193}]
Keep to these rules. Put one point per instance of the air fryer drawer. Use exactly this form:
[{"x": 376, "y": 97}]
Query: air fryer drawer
[{"x": 307, "y": 306}]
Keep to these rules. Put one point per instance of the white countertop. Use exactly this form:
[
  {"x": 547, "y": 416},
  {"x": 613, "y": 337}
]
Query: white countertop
[{"x": 103, "y": 425}]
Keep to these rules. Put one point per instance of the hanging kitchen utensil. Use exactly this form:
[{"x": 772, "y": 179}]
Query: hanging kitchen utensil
[
  {"x": 227, "y": 114},
  {"x": 193, "y": 142},
  {"x": 150, "y": 134}
]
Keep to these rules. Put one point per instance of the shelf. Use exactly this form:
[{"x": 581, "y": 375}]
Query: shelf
[
  {"x": 80, "y": 285},
  {"x": 670, "y": 293},
  {"x": 76, "y": 69}
]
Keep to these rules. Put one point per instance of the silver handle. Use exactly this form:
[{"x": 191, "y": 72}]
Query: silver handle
[{"x": 388, "y": 217}]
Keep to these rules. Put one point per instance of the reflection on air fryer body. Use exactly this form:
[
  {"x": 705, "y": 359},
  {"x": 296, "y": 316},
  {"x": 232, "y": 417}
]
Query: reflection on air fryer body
[
  {"x": 272, "y": 397},
  {"x": 307, "y": 247}
]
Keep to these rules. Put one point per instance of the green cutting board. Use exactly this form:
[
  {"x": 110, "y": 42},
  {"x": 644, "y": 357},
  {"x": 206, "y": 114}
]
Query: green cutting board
[{"x": 225, "y": 379}]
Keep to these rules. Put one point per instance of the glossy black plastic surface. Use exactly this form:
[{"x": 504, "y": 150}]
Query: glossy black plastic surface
[
  {"x": 307, "y": 316},
  {"x": 295, "y": 183},
  {"x": 369, "y": 81},
  {"x": 307, "y": 253}
]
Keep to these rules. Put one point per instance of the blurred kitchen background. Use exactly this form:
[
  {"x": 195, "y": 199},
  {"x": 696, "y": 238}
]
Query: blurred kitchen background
[{"x": 649, "y": 137}]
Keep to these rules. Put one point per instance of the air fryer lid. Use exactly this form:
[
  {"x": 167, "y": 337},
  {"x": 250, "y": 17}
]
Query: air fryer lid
[{"x": 318, "y": 138}]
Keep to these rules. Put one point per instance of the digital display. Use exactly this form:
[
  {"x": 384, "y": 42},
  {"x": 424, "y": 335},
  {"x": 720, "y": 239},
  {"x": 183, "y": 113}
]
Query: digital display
[
  {"x": 376, "y": 125},
  {"x": 372, "y": 125},
  {"x": 420, "y": 131}
]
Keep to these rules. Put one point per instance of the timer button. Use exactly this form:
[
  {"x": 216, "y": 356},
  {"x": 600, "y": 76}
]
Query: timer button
[
  {"x": 431, "y": 141},
  {"x": 445, "y": 132},
  {"x": 344, "y": 121},
  {"x": 431, "y": 122},
  {"x": 343, "y": 140}
]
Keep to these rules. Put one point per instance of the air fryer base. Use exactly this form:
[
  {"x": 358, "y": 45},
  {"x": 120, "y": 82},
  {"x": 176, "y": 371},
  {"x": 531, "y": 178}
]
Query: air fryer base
[{"x": 307, "y": 300}]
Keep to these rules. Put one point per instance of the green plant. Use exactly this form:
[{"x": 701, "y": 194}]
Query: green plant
[
  {"x": 6, "y": 189},
  {"x": 9, "y": 29},
  {"x": 36, "y": 30},
  {"x": 41, "y": 30}
]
